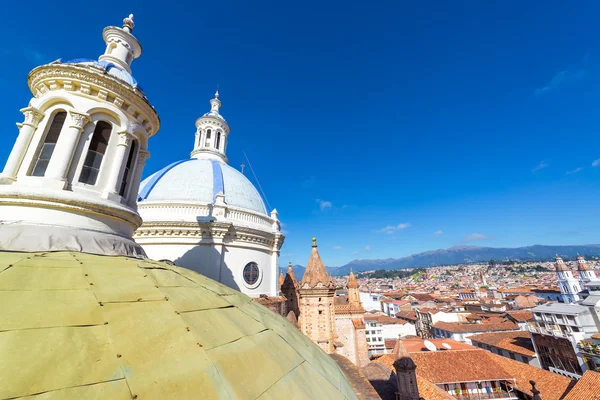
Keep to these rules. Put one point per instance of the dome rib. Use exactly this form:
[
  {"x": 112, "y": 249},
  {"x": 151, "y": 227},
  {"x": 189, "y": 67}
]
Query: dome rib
[{"x": 199, "y": 181}]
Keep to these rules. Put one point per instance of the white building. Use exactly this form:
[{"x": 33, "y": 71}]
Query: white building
[
  {"x": 371, "y": 301},
  {"x": 202, "y": 214},
  {"x": 378, "y": 328},
  {"x": 76, "y": 165}
]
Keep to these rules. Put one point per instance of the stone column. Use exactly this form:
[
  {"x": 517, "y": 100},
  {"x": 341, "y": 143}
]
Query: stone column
[
  {"x": 143, "y": 155},
  {"x": 26, "y": 130},
  {"x": 66, "y": 146},
  {"x": 115, "y": 177}
]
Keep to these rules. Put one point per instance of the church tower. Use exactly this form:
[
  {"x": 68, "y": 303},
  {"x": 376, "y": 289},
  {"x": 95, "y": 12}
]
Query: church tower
[
  {"x": 353, "y": 292},
  {"x": 317, "y": 318},
  {"x": 569, "y": 286},
  {"x": 586, "y": 273},
  {"x": 78, "y": 159}
]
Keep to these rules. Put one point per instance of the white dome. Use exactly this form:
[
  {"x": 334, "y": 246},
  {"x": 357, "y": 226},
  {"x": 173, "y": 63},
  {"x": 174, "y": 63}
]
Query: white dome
[{"x": 199, "y": 181}]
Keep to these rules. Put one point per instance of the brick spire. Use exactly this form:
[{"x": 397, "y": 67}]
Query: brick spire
[
  {"x": 315, "y": 272},
  {"x": 352, "y": 282}
]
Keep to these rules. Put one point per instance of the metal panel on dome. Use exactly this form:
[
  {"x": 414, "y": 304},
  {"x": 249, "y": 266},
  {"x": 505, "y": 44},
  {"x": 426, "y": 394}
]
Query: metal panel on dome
[
  {"x": 48, "y": 308},
  {"x": 113, "y": 390},
  {"x": 265, "y": 352},
  {"x": 66, "y": 350}
]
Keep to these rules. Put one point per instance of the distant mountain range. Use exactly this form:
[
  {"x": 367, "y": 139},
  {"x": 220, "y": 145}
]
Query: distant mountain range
[{"x": 461, "y": 255}]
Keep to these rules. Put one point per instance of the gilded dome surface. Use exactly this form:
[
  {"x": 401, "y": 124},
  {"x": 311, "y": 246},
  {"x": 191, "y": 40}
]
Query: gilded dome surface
[
  {"x": 82, "y": 326},
  {"x": 199, "y": 181}
]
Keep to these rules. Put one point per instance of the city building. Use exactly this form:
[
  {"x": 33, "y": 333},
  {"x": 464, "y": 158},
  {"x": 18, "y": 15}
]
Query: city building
[
  {"x": 462, "y": 331},
  {"x": 516, "y": 345},
  {"x": 371, "y": 301},
  {"x": 426, "y": 318},
  {"x": 83, "y": 314},
  {"x": 556, "y": 331},
  {"x": 204, "y": 215},
  {"x": 462, "y": 371}
]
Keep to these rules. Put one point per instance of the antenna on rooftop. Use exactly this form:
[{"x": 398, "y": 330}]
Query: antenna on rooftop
[{"x": 430, "y": 346}]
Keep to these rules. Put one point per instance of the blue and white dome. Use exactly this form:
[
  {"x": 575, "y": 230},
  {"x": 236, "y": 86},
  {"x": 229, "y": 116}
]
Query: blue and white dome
[
  {"x": 199, "y": 181},
  {"x": 110, "y": 68}
]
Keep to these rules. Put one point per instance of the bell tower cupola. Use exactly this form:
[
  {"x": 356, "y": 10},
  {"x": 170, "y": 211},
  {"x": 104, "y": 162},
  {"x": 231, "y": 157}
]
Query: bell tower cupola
[
  {"x": 211, "y": 133},
  {"x": 72, "y": 177}
]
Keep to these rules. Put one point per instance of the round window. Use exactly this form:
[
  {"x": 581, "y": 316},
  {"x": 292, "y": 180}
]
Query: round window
[{"x": 251, "y": 273}]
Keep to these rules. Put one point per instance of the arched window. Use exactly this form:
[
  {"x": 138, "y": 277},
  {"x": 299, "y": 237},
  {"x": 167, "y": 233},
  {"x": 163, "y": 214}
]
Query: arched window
[
  {"x": 207, "y": 143},
  {"x": 95, "y": 154},
  {"x": 218, "y": 140},
  {"x": 49, "y": 143},
  {"x": 128, "y": 168}
]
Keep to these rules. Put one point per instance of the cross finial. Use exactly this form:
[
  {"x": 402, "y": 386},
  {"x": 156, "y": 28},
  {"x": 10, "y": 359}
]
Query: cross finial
[
  {"x": 128, "y": 23},
  {"x": 243, "y": 165}
]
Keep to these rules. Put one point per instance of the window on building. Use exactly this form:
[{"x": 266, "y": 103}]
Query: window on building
[
  {"x": 207, "y": 143},
  {"x": 218, "y": 141},
  {"x": 525, "y": 359},
  {"x": 511, "y": 355},
  {"x": 251, "y": 274},
  {"x": 128, "y": 168},
  {"x": 95, "y": 154},
  {"x": 49, "y": 143}
]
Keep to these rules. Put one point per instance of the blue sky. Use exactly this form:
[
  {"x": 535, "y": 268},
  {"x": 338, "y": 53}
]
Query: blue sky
[{"x": 383, "y": 130}]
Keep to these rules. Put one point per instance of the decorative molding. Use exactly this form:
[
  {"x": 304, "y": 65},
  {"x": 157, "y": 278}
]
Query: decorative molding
[
  {"x": 92, "y": 80},
  {"x": 33, "y": 116},
  {"x": 62, "y": 202},
  {"x": 125, "y": 138},
  {"x": 78, "y": 119},
  {"x": 143, "y": 156}
]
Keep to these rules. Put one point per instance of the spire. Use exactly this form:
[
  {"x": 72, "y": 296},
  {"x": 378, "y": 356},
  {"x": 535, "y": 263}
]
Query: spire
[
  {"x": 215, "y": 103},
  {"x": 559, "y": 264},
  {"x": 281, "y": 279},
  {"x": 315, "y": 272},
  {"x": 352, "y": 282},
  {"x": 290, "y": 279},
  {"x": 121, "y": 46}
]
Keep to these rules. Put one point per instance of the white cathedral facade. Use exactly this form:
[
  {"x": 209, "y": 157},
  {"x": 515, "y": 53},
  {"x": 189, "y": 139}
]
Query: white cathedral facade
[
  {"x": 204, "y": 215},
  {"x": 77, "y": 163}
]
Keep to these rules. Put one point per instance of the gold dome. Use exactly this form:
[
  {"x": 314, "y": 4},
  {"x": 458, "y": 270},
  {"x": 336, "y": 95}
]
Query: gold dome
[{"x": 82, "y": 326}]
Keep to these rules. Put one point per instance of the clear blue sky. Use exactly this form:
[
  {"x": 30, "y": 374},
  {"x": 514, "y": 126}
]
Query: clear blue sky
[{"x": 383, "y": 129}]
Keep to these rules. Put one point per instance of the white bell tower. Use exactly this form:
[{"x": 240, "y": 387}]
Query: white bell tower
[
  {"x": 211, "y": 134},
  {"x": 586, "y": 273},
  {"x": 569, "y": 286},
  {"x": 72, "y": 177}
]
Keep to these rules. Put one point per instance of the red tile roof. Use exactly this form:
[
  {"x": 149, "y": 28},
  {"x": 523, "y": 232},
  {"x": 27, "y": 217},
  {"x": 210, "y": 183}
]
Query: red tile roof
[
  {"x": 551, "y": 386},
  {"x": 418, "y": 345},
  {"x": 521, "y": 316},
  {"x": 515, "y": 341},
  {"x": 459, "y": 327},
  {"x": 587, "y": 388}
]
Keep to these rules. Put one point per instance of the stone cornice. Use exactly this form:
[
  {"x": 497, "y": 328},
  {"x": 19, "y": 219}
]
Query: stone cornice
[
  {"x": 212, "y": 121},
  {"x": 94, "y": 82},
  {"x": 56, "y": 200},
  {"x": 166, "y": 230}
]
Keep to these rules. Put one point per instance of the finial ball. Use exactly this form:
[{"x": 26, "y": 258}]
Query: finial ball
[{"x": 314, "y": 240}]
